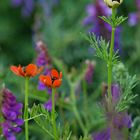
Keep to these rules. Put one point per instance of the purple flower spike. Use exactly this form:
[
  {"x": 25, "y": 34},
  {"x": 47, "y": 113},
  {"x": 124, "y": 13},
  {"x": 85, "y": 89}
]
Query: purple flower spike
[
  {"x": 43, "y": 59},
  {"x": 11, "y": 111}
]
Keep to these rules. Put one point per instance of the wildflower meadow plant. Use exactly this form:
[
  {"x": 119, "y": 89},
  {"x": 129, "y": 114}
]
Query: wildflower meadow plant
[
  {"x": 116, "y": 105},
  {"x": 27, "y": 72},
  {"x": 107, "y": 120}
]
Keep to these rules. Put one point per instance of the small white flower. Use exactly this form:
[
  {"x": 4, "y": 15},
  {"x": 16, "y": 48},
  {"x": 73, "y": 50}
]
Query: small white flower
[{"x": 113, "y": 3}]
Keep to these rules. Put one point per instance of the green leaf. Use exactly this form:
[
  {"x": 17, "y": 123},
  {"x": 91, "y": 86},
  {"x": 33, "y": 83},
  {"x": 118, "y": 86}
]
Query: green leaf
[
  {"x": 127, "y": 96},
  {"x": 114, "y": 22},
  {"x": 100, "y": 46},
  {"x": 43, "y": 118},
  {"x": 66, "y": 135}
]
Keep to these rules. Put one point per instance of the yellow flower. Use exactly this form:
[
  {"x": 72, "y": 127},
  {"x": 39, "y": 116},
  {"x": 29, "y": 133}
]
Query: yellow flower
[{"x": 113, "y": 3}]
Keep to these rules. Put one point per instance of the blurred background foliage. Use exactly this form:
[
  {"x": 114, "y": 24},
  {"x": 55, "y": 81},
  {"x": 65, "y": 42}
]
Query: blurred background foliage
[{"x": 59, "y": 24}]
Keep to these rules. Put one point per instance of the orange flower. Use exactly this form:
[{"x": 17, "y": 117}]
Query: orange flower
[
  {"x": 54, "y": 79},
  {"x": 30, "y": 70}
]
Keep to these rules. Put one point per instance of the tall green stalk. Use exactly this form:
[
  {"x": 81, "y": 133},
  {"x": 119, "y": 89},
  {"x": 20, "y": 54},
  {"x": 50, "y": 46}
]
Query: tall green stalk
[
  {"x": 76, "y": 113},
  {"x": 53, "y": 115},
  {"x": 26, "y": 108},
  {"x": 110, "y": 64}
]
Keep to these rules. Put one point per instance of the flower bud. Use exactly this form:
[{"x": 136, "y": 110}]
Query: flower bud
[{"x": 113, "y": 3}]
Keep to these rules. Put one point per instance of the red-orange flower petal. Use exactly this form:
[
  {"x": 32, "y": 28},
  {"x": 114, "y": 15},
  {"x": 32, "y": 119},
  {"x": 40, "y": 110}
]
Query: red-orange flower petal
[
  {"x": 28, "y": 71},
  {"x": 57, "y": 83},
  {"x": 15, "y": 70},
  {"x": 54, "y": 73},
  {"x": 31, "y": 70},
  {"x": 46, "y": 80},
  {"x": 41, "y": 78}
]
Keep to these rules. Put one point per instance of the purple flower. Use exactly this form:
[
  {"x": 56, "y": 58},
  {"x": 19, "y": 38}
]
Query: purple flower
[
  {"x": 138, "y": 4},
  {"x": 16, "y": 3},
  {"x": 106, "y": 135},
  {"x": 98, "y": 26},
  {"x": 89, "y": 72},
  {"x": 11, "y": 112},
  {"x": 48, "y": 105},
  {"x": 26, "y": 5},
  {"x": 43, "y": 59},
  {"x": 122, "y": 120},
  {"x": 133, "y": 19},
  {"x": 103, "y": 135}
]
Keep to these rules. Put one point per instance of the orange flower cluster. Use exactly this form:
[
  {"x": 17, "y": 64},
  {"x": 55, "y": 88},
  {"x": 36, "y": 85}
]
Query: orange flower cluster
[
  {"x": 30, "y": 70},
  {"x": 53, "y": 80}
]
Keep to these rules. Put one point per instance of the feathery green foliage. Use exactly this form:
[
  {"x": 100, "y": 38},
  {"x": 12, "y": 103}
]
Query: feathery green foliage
[
  {"x": 127, "y": 83},
  {"x": 101, "y": 48},
  {"x": 114, "y": 22},
  {"x": 135, "y": 133}
]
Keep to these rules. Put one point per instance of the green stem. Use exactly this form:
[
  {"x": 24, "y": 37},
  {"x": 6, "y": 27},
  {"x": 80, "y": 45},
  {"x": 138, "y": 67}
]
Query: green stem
[
  {"x": 76, "y": 113},
  {"x": 110, "y": 64},
  {"x": 85, "y": 94},
  {"x": 26, "y": 108},
  {"x": 84, "y": 84},
  {"x": 53, "y": 115}
]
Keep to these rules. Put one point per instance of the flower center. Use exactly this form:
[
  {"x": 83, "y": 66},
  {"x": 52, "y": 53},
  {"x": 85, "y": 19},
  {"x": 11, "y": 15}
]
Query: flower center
[
  {"x": 53, "y": 79},
  {"x": 116, "y": 0},
  {"x": 24, "y": 69}
]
